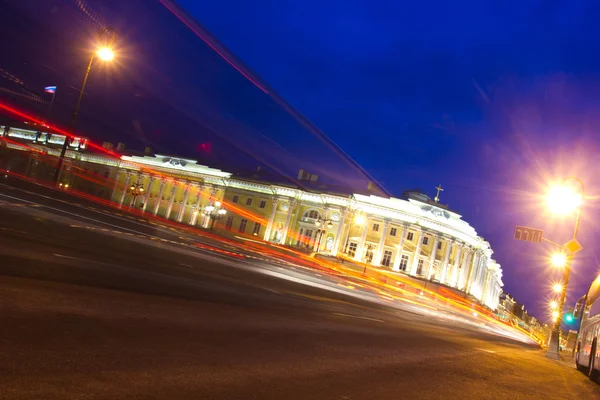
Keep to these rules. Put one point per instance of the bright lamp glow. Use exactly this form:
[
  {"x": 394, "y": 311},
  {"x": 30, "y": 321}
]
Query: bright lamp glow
[
  {"x": 563, "y": 200},
  {"x": 553, "y": 305},
  {"x": 217, "y": 203},
  {"x": 559, "y": 259},
  {"x": 360, "y": 220},
  {"x": 555, "y": 314},
  {"x": 557, "y": 287},
  {"x": 105, "y": 54}
]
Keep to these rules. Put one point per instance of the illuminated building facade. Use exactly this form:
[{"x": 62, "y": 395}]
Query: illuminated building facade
[{"x": 412, "y": 235}]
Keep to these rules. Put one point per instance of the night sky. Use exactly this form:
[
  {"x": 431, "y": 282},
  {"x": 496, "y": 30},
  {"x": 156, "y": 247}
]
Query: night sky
[{"x": 494, "y": 100}]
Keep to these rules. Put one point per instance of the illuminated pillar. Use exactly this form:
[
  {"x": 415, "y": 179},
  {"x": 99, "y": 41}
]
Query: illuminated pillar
[
  {"x": 415, "y": 260},
  {"x": 457, "y": 259},
  {"x": 444, "y": 276},
  {"x": 472, "y": 271},
  {"x": 396, "y": 266},
  {"x": 286, "y": 227},
  {"x": 196, "y": 210},
  {"x": 379, "y": 254},
  {"x": 171, "y": 201},
  {"x": 161, "y": 189},
  {"x": 125, "y": 188},
  {"x": 338, "y": 235},
  {"x": 269, "y": 228},
  {"x": 181, "y": 212},
  {"x": 147, "y": 194},
  {"x": 434, "y": 250},
  {"x": 363, "y": 239},
  {"x": 115, "y": 186}
]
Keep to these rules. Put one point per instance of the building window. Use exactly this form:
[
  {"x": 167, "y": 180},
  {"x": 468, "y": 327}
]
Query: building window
[
  {"x": 387, "y": 258},
  {"x": 249, "y": 201},
  {"x": 243, "y": 224},
  {"x": 439, "y": 245},
  {"x": 236, "y": 198},
  {"x": 420, "y": 267},
  {"x": 425, "y": 240},
  {"x": 375, "y": 227},
  {"x": 410, "y": 236},
  {"x": 352, "y": 249},
  {"x": 403, "y": 262},
  {"x": 262, "y": 204},
  {"x": 312, "y": 214},
  {"x": 256, "y": 229},
  {"x": 229, "y": 223},
  {"x": 393, "y": 231}
]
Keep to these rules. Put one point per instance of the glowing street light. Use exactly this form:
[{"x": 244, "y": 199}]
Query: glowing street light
[
  {"x": 360, "y": 220},
  {"x": 555, "y": 314},
  {"x": 105, "y": 53},
  {"x": 563, "y": 200},
  {"x": 553, "y": 305},
  {"x": 559, "y": 259},
  {"x": 557, "y": 288}
]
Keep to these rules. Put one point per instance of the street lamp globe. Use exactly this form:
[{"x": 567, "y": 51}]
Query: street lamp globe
[
  {"x": 555, "y": 314},
  {"x": 557, "y": 287},
  {"x": 553, "y": 305},
  {"x": 559, "y": 259},
  {"x": 360, "y": 220},
  {"x": 105, "y": 54},
  {"x": 563, "y": 200}
]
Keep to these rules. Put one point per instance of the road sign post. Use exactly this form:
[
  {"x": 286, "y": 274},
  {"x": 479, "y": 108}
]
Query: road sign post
[{"x": 529, "y": 234}]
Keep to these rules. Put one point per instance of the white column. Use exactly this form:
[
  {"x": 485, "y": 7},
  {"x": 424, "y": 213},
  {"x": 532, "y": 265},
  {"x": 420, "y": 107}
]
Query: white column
[
  {"x": 286, "y": 227},
  {"x": 396, "y": 266},
  {"x": 196, "y": 211},
  {"x": 159, "y": 198},
  {"x": 124, "y": 193},
  {"x": 415, "y": 260},
  {"x": 338, "y": 239},
  {"x": 462, "y": 275},
  {"x": 147, "y": 194},
  {"x": 170, "y": 205},
  {"x": 434, "y": 249},
  {"x": 116, "y": 185},
  {"x": 379, "y": 254},
  {"x": 269, "y": 227},
  {"x": 363, "y": 239},
  {"x": 454, "y": 278},
  {"x": 183, "y": 204},
  {"x": 472, "y": 271},
  {"x": 444, "y": 276}
]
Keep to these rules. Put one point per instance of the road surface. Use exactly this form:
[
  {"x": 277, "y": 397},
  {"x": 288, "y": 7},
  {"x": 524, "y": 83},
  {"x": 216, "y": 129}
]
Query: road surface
[{"x": 90, "y": 311}]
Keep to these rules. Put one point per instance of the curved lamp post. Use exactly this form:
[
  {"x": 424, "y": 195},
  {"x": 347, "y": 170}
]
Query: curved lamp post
[{"x": 105, "y": 52}]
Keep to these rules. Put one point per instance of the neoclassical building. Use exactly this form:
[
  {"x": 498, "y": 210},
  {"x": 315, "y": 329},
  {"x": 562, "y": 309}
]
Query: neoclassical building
[{"x": 413, "y": 235}]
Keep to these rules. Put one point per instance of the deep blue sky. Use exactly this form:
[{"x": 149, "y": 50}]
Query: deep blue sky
[{"x": 491, "y": 99}]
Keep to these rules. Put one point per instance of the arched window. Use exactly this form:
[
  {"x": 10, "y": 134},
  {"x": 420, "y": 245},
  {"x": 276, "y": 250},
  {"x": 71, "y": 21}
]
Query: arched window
[{"x": 311, "y": 214}]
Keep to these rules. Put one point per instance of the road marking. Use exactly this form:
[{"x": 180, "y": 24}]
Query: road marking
[
  {"x": 358, "y": 317},
  {"x": 486, "y": 350},
  {"x": 186, "y": 265},
  {"x": 63, "y": 256}
]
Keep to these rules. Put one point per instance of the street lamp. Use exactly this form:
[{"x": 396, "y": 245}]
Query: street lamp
[
  {"x": 137, "y": 189},
  {"x": 557, "y": 288},
  {"x": 559, "y": 259},
  {"x": 553, "y": 305},
  {"x": 214, "y": 212},
  {"x": 105, "y": 53},
  {"x": 563, "y": 200}
]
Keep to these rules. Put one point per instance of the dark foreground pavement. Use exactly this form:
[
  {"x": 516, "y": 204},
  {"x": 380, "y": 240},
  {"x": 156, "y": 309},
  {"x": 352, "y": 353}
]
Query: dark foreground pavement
[{"x": 90, "y": 314}]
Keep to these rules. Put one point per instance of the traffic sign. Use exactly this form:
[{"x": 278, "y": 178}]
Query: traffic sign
[
  {"x": 573, "y": 246},
  {"x": 528, "y": 234}
]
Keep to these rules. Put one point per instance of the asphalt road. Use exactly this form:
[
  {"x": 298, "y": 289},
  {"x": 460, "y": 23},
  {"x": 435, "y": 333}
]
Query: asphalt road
[{"x": 89, "y": 311}]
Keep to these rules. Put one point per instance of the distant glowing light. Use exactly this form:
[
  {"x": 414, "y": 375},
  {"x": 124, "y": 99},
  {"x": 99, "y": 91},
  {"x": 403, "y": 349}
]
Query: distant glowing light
[
  {"x": 360, "y": 220},
  {"x": 553, "y": 305},
  {"x": 555, "y": 314}
]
